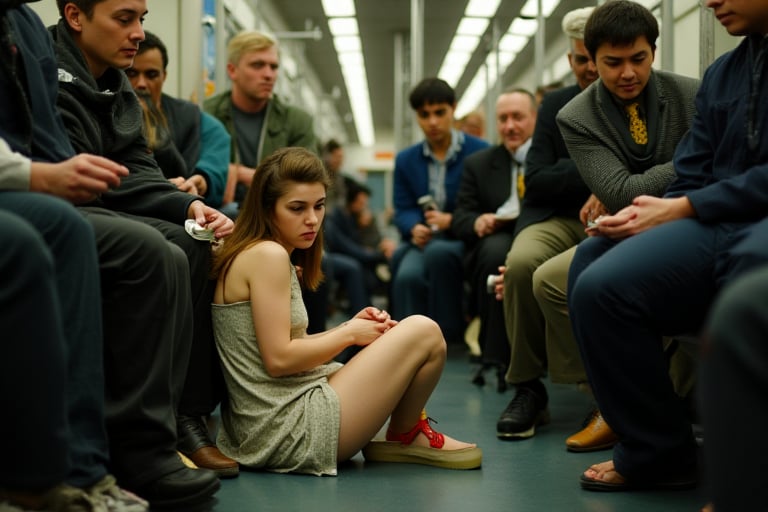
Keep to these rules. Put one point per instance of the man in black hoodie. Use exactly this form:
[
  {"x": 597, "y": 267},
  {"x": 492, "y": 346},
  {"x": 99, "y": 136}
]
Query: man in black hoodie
[
  {"x": 145, "y": 279},
  {"x": 52, "y": 304}
]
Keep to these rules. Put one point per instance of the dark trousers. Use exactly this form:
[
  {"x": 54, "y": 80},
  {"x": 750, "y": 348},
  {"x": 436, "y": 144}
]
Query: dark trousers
[
  {"x": 734, "y": 393},
  {"x": 51, "y": 375},
  {"x": 204, "y": 382},
  {"x": 623, "y": 297},
  {"x": 147, "y": 316},
  {"x": 490, "y": 253},
  {"x": 430, "y": 282}
]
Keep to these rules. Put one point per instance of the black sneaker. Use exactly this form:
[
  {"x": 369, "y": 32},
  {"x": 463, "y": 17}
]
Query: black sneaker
[{"x": 524, "y": 412}]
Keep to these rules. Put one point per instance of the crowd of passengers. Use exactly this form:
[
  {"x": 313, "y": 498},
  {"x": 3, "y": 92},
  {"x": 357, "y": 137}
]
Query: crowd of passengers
[{"x": 162, "y": 260}]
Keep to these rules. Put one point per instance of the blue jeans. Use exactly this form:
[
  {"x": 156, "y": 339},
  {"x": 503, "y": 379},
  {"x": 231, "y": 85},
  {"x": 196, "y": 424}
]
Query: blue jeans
[{"x": 431, "y": 282}]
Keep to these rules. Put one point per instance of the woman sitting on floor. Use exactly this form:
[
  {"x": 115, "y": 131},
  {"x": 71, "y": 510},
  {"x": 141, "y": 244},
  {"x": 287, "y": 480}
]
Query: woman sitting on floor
[{"x": 284, "y": 411}]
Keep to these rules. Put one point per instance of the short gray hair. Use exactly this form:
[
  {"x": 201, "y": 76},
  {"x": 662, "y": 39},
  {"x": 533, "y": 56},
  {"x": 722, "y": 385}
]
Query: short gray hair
[{"x": 574, "y": 22}]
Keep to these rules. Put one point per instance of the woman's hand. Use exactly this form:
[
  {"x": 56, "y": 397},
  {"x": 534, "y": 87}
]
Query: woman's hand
[
  {"x": 377, "y": 315},
  {"x": 365, "y": 331}
]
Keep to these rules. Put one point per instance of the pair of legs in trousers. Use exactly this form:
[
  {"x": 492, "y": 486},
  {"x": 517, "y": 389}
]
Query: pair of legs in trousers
[
  {"x": 550, "y": 283},
  {"x": 147, "y": 317},
  {"x": 624, "y": 297},
  {"x": 51, "y": 375},
  {"x": 430, "y": 281},
  {"x": 734, "y": 391},
  {"x": 485, "y": 259},
  {"x": 530, "y": 341}
]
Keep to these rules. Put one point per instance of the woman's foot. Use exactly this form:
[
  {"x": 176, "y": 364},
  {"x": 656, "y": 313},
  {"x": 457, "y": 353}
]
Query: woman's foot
[
  {"x": 422, "y": 445},
  {"x": 449, "y": 443}
]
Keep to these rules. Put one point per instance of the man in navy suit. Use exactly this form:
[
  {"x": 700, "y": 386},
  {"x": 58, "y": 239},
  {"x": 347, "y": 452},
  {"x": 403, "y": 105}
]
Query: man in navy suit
[{"x": 660, "y": 261}]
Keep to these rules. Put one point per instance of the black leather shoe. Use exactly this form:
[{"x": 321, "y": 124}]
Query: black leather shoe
[
  {"x": 180, "y": 488},
  {"x": 524, "y": 412},
  {"x": 195, "y": 443}
]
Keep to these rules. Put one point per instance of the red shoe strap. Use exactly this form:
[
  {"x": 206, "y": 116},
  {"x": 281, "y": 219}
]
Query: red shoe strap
[{"x": 436, "y": 439}]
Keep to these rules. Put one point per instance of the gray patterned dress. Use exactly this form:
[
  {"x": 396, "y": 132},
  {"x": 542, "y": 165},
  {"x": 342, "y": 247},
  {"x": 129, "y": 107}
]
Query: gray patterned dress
[{"x": 284, "y": 424}]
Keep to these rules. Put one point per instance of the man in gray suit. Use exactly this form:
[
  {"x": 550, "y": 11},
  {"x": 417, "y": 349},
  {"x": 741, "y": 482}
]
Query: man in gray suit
[
  {"x": 622, "y": 133},
  {"x": 621, "y": 39},
  {"x": 661, "y": 262}
]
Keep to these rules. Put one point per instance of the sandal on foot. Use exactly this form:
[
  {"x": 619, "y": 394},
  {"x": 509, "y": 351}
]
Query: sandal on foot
[
  {"x": 399, "y": 448},
  {"x": 673, "y": 484}
]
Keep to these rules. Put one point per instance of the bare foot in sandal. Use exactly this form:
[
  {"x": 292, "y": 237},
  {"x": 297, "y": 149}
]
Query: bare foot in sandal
[{"x": 604, "y": 472}]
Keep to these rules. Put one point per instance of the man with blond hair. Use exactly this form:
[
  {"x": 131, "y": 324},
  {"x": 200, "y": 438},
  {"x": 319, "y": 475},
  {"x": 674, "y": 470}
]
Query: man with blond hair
[{"x": 258, "y": 121}]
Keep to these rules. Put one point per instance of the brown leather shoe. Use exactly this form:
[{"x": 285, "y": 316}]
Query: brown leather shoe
[
  {"x": 196, "y": 445},
  {"x": 597, "y": 435}
]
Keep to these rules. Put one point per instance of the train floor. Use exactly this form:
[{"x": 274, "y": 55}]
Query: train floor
[{"x": 532, "y": 475}]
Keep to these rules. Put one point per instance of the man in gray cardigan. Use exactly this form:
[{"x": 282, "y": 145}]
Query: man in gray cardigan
[
  {"x": 622, "y": 133},
  {"x": 621, "y": 40}
]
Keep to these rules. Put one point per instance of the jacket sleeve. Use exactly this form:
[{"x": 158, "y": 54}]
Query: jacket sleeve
[
  {"x": 718, "y": 182},
  {"x": 303, "y": 132},
  {"x": 551, "y": 176},
  {"x": 145, "y": 191},
  {"x": 15, "y": 169},
  {"x": 214, "y": 157},
  {"x": 407, "y": 211},
  {"x": 600, "y": 163},
  {"x": 467, "y": 200}
]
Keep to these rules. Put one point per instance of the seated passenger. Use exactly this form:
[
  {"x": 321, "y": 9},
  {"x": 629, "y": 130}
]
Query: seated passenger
[
  {"x": 198, "y": 138},
  {"x": 427, "y": 276},
  {"x": 285, "y": 400},
  {"x": 154, "y": 276},
  {"x": 352, "y": 230},
  {"x": 257, "y": 120},
  {"x": 548, "y": 225},
  {"x": 487, "y": 207},
  {"x": 614, "y": 164},
  {"x": 51, "y": 364},
  {"x": 659, "y": 262}
]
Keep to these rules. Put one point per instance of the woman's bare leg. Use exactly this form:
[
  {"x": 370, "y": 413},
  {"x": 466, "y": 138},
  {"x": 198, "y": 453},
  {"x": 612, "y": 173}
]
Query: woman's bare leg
[{"x": 394, "y": 376}]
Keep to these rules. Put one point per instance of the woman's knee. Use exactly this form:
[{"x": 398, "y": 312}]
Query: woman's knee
[{"x": 425, "y": 331}]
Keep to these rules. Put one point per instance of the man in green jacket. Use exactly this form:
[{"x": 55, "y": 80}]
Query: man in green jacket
[{"x": 257, "y": 120}]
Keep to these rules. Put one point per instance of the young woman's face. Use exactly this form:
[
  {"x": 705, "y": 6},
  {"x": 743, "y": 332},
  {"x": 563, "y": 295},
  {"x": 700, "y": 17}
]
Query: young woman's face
[{"x": 299, "y": 214}]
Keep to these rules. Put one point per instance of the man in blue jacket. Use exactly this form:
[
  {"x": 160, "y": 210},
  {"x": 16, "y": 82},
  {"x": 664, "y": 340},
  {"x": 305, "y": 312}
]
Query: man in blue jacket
[
  {"x": 660, "y": 262},
  {"x": 428, "y": 276}
]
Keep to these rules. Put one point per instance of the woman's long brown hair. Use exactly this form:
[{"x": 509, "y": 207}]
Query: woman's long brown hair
[{"x": 255, "y": 222}]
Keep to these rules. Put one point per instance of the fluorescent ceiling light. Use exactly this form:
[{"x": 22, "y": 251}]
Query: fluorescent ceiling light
[
  {"x": 464, "y": 43},
  {"x": 357, "y": 88},
  {"x": 346, "y": 44},
  {"x": 351, "y": 59},
  {"x": 531, "y": 8},
  {"x": 339, "y": 8},
  {"x": 453, "y": 66},
  {"x": 512, "y": 43},
  {"x": 523, "y": 27},
  {"x": 472, "y": 26},
  {"x": 482, "y": 8},
  {"x": 343, "y": 26},
  {"x": 472, "y": 97}
]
